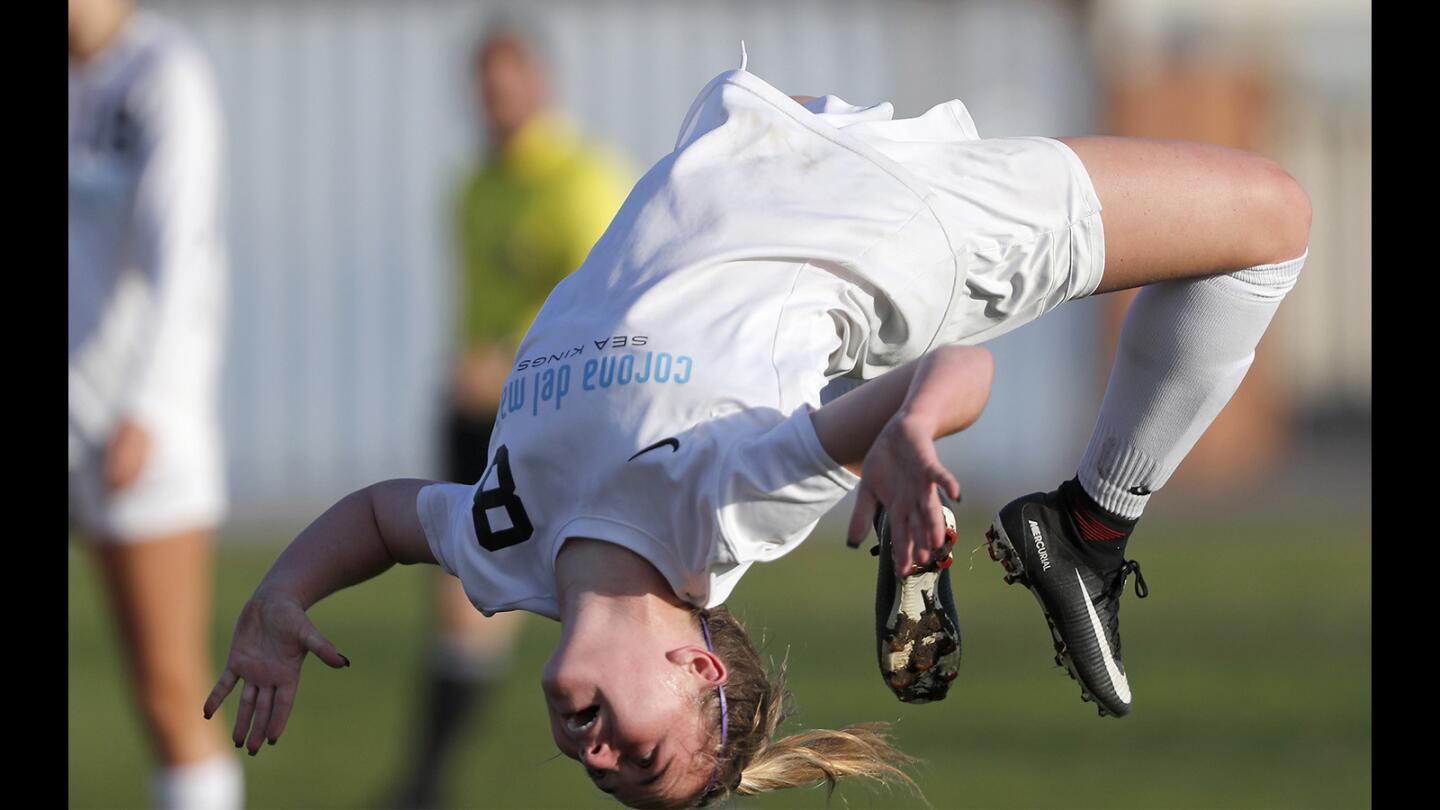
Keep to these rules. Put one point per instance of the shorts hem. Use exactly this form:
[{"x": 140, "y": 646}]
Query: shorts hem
[
  {"x": 135, "y": 532},
  {"x": 1090, "y": 227}
]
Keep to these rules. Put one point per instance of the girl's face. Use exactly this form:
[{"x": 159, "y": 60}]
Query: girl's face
[{"x": 632, "y": 715}]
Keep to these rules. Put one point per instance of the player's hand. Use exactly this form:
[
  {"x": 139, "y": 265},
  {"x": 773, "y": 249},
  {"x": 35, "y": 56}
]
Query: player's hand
[
  {"x": 126, "y": 454},
  {"x": 272, "y": 636},
  {"x": 902, "y": 471}
]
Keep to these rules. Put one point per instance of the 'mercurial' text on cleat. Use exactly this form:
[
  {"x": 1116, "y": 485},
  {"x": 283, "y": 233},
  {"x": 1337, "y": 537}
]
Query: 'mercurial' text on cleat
[{"x": 1078, "y": 588}]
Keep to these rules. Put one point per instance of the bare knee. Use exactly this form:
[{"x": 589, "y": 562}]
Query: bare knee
[{"x": 1281, "y": 226}]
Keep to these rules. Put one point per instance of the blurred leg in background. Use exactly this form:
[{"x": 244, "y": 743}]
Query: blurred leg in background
[
  {"x": 469, "y": 654},
  {"x": 468, "y": 660},
  {"x": 148, "y": 500},
  {"x": 160, "y": 593}
]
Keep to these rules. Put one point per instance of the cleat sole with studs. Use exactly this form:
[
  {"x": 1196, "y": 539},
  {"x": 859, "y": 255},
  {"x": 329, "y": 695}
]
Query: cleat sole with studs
[{"x": 919, "y": 646}]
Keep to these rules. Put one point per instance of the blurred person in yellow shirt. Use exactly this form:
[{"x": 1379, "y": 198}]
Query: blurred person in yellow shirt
[{"x": 524, "y": 220}]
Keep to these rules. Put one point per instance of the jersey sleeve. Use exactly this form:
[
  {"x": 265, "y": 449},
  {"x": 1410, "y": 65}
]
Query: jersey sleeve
[
  {"x": 444, "y": 511},
  {"x": 496, "y": 579},
  {"x": 775, "y": 487},
  {"x": 176, "y": 227}
]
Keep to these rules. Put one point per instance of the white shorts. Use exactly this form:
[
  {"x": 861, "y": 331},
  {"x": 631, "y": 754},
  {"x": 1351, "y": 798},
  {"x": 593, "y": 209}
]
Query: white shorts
[
  {"x": 1029, "y": 241},
  {"x": 1022, "y": 221},
  {"x": 1008, "y": 229},
  {"x": 180, "y": 488}
]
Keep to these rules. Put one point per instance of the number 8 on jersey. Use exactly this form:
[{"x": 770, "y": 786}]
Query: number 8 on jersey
[{"x": 500, "y": 519}]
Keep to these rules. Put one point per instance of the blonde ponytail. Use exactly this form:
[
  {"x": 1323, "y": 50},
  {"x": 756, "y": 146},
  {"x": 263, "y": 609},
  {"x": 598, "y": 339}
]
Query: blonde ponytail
[
  {"x": 825, "y": 756},
  {"x": 753, "y": 762}
]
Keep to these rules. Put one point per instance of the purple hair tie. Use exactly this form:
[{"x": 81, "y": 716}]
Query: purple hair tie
[{"x": 724, "y": 713}]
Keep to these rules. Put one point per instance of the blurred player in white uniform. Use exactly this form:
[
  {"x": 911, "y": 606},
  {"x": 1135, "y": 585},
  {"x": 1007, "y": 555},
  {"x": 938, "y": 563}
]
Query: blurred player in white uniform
[
  {"x": 147, "y": 305},
  {"x": 665, "y": 425}
]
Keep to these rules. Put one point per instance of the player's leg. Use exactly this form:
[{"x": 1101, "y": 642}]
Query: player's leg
[
  {"x": 160, "y": 594},
  {"x": 1217, "y": 238},
  {"x": 1177, "y": 210},
  {"x": 470, "y": 655}
]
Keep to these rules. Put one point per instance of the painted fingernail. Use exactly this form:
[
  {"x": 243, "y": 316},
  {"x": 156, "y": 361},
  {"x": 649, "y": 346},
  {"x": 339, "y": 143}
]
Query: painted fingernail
[{"x": 346, "y": 660}]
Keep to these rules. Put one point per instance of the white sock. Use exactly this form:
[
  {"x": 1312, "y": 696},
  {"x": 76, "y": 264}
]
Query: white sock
[
  {"x": 1183, "y": 351},
  {"x": 217, "y": 783}
]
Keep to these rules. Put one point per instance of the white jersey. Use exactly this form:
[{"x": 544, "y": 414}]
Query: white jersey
[
  {"x": 146, "y": 263},
  {"x": 662, "y": 398}
]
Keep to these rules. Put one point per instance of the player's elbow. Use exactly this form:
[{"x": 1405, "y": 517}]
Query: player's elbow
[
  {"x": 977, "y": 370},
  {"x": 978, "y": 362},
  {"x": 984, "y": 378},
  {"x": 985, "y": 362}
]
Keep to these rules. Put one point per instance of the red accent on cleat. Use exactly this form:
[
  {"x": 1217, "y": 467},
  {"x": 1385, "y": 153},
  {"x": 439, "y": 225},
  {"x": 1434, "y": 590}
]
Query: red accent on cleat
[{"x": 1092, "y": 529}]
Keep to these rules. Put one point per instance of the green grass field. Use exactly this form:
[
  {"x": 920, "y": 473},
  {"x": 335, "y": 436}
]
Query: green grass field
[{"x": 1250, "y": 663}]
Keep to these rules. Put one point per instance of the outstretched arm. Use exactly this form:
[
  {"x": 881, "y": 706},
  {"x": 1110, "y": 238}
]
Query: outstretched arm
[
  {"x": 361, "y": 536},
  {"x": 891, "y": 424}
]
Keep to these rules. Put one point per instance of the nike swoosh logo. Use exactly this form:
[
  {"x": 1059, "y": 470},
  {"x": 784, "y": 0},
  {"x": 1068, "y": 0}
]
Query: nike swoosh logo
[
  {"x": 1117, "y": 678},
  {"x": 672, "y": 441}
]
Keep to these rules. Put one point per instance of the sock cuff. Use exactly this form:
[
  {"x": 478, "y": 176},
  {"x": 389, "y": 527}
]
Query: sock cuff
[
  {"x": 1276, "y": 279},
  {"x": 1094, "y": 521},
  {"x": 1118, "y": 476},
  {"x": 216, "y": 783}
]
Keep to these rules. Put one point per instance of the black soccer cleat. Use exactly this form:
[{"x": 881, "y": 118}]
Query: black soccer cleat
[
  {"x": 1078, "y": 586},
  {"x": 917, "y": 631}
]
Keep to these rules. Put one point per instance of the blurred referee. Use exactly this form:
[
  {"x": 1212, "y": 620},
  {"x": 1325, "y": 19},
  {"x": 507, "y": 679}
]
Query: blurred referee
[
  {"x": 524, "y": 220},
  {"x": 146, "y": 314}
]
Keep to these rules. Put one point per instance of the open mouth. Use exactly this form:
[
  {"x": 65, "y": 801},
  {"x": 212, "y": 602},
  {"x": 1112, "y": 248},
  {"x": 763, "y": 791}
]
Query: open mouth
[{"x": 583, "y": 720}]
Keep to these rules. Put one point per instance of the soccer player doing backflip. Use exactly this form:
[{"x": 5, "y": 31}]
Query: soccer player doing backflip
[{"x": 666, "y": 423}]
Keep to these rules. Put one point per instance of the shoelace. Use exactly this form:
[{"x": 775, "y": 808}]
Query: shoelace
[
  {"x": 1130, "y": 567},
  {"x": 1112, "y": 594}
]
